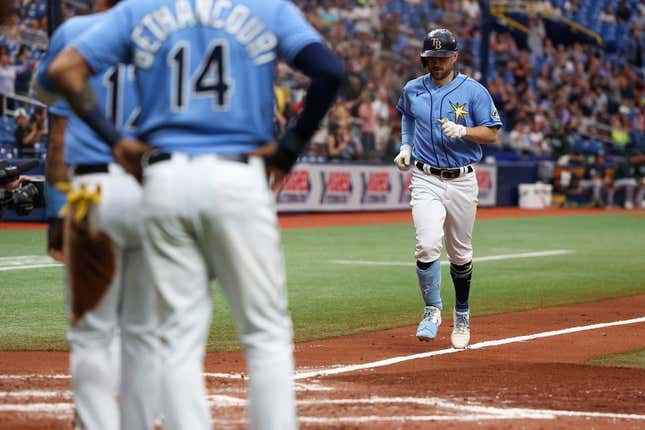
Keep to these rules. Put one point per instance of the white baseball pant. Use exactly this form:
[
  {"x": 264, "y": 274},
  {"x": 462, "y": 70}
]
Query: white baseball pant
[
  {"x": 629, "y": 184},
  {"x": 444, "y": 207},
  {"x": 596, "y": 185},
  {"x": 113, "y": 349},
  {"x": 208, "y": 217}
]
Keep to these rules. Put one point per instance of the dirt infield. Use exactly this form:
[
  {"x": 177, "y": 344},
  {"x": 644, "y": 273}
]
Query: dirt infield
[
  {"x": 532, "y": 384},
  {"x": 390, "y": 217},
  {"x": 524, "y": 370}
]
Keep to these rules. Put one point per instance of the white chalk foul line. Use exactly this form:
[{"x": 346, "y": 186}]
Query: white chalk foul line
[
  {"x": 338, "y": 369},
  {"x": 473, "y": 412},
  {"x": 476, "y": 259},
  {"x": 217, "y": 375},
  {"x": 33, "y": 266},
  {"x": 23, "y": 262},
  {"x": 403, "y": 419},
  {"x": 225, "y": 401},
  {"x": 495, "y": 411},
  {"x": 480, "y": 345},
  {"x": 52, "y": 408},
  {"x": 35, "y": 376},
  {"x": 4, "y": 395}
]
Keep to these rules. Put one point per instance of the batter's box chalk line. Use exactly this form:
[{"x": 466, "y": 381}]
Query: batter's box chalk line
[
  {"x": 458, "y": 411},
  {"x": 446, "y": 410}
]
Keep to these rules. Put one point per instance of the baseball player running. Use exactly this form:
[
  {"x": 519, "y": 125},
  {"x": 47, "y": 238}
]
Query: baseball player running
[
  {"x": 110, "y": 297},
  {"x": 445, "y": 116},
  {"x": 204, "y": 73}
]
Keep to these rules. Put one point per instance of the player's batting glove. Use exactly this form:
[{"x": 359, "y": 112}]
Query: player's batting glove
[
  {"x": 402, "y": 161},
  {"x": 451, "y": 129}
]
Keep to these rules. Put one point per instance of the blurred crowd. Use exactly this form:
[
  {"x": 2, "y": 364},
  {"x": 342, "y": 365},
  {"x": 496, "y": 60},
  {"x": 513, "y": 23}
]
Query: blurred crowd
[
  {"x": 26, "y": 26},
  {"x": 23, "y": 39},
  {"x": 577, "y": 101},
  {"x": 554, "y": 100}
]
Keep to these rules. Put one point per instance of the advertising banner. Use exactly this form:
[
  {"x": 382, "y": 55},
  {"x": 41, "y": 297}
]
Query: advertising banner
[
  {"x": 487, "y": 180},
  {"x": 350, "y": 187}
]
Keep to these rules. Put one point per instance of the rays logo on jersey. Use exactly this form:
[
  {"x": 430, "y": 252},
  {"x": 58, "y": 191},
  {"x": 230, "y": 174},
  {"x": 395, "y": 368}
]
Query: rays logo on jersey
[{"x": 459, "y": 111}]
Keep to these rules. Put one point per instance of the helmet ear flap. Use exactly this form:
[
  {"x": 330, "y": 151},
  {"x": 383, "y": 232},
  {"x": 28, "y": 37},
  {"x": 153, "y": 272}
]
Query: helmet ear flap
[{"x": 424, "y": 62}]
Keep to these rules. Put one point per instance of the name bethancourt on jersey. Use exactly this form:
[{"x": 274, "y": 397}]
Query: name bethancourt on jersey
[{"x": 154, "y": 28}]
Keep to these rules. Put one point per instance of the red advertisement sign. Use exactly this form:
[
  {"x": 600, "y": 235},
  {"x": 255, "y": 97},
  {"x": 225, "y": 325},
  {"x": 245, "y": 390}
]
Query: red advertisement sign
[
  {"x": 484, "y": 180},
  {"x": 297, "y": 181},
  {"x": 339, "y": 182},
  {"x": 378, "y": 182},
  {"x": 337, "y": 187}
]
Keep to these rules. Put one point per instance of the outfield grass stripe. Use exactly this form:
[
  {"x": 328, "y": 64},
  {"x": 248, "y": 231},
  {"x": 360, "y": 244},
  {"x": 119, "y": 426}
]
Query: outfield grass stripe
[
  {"x": 480, "y": 345},
  {"x": 476, "y": 259}
]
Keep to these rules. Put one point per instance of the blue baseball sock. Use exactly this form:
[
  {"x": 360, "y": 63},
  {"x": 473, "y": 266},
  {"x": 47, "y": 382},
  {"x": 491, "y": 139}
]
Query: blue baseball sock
[
  {"x": 461, "y": 276},
  {"x": 429, "y": 275}
]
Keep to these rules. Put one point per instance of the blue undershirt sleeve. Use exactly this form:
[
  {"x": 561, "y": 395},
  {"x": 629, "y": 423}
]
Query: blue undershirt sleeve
[{"x": 407, "y": 130}]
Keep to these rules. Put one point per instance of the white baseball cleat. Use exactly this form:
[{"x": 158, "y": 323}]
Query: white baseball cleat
[
  {"x": 461, "y": 329},
  {"x": 430, "y": 323}
]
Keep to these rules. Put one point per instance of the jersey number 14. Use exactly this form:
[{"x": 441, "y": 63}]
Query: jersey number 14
[{"x": 211, "y": 79}]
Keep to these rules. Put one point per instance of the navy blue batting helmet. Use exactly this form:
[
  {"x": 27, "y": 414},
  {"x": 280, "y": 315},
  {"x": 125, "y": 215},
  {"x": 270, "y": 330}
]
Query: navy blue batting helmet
[{"x": 439, "y": 43}]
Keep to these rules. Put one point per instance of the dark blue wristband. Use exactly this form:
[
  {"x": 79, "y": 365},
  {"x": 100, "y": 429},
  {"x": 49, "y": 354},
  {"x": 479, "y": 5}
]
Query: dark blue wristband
[
  {"x": 290, "y": 146},
  {"x": 101, "y": 125}
]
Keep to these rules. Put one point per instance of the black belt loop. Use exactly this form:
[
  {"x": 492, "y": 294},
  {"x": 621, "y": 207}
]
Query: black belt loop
[
  {"x": 443, "y": 173},
  {"x": 158, "y": 157},
  {"x": 88, "y": 169}
]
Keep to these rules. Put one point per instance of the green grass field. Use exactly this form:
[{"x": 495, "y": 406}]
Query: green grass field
[
  {"x": 635, "y": 359},
  {"x": 329, "y": 299}
]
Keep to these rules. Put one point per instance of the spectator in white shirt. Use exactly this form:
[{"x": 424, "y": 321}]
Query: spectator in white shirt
[
  {"x": 380, "y": 106},
  {"x": 8, "y": 74}
]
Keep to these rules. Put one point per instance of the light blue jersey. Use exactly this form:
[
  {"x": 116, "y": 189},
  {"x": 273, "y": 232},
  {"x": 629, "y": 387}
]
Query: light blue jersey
[
  {"x": 463, "y": 101},
  {"x": 115, "y": 92},
  {"x": 204, "y": 69}
]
